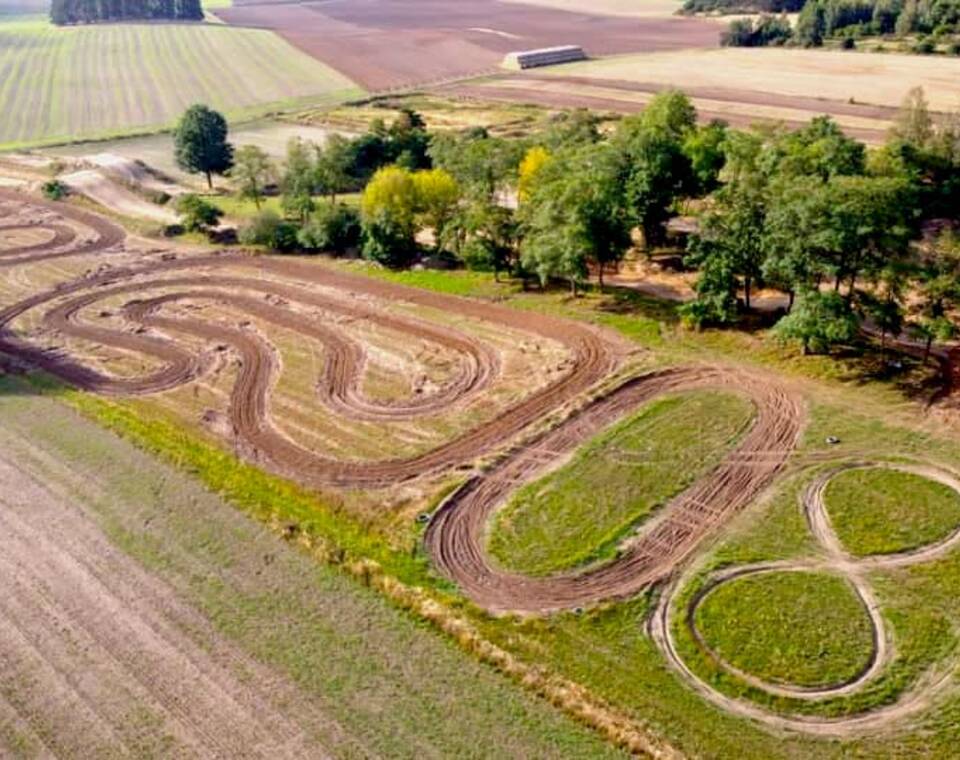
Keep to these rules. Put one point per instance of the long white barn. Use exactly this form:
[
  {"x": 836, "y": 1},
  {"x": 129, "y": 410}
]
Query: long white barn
[{"x": 528, "y": 59}]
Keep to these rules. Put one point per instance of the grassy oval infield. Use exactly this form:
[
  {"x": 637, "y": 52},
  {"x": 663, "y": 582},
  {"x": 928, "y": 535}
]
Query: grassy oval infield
[
  {"x": 799, "y": 628},
  {"x": 581, "y": 511},
  {"x": 883, "y": 511}
]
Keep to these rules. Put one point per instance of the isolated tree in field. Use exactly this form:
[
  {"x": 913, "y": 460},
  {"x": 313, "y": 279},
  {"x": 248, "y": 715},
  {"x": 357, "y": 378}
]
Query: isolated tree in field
[
  {"x": 200, "y": 143},
  {"x": 196, "y": 214},
  {"x": 253, "y": 170}
]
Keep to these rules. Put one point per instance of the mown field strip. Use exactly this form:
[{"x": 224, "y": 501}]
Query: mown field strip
[{"x": 61, "y": 84}]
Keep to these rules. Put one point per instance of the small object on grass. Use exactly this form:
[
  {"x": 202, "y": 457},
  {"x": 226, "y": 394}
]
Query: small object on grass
[
  {"x": 423, "y": 518},
  {"x": 832, "y": 440},
  {"x": 578, "y": 610}
]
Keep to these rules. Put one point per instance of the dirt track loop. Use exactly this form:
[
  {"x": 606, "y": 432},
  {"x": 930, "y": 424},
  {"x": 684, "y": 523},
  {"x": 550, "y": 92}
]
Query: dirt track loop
[
  {"x": 856, "y": 570},
  {"x": 455, "y": 538},
  {"x": 153, "y": 327}
]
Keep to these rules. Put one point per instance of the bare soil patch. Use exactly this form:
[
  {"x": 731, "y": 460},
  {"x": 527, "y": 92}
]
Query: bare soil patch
[{"x": 382, "y": 44}]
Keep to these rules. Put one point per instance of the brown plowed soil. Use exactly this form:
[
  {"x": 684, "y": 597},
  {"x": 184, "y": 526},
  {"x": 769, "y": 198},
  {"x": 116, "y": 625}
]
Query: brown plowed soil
[{"x": 381, "y": 44}]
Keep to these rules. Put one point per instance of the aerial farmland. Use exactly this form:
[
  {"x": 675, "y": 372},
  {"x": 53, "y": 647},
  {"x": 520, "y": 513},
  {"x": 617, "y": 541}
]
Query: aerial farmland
[{"x": 521, "y": 378}]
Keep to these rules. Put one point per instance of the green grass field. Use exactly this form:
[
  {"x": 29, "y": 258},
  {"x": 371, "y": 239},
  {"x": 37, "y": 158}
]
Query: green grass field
[
  {"x": 797, "y": 628},
  {"x": 581, "y": 511},
  {"x": 98, "y": 81},
  {"x": 881, "y": 511}
]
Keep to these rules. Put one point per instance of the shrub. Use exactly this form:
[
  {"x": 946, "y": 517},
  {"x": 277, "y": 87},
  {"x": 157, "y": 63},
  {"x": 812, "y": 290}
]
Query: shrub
[
  {"x": 334, "y": 228},
  {"x": 767, "y": 30},
  {"x": 54, "y": 190},
  {"x": 269, "y": 230},
  {"x": 848, "y": 43},
  {"x": 924, "y": 47},
  {"x": 478, "y": 255},
  {"x": 196, "y": 214},
  {"x": 953, "y": 49},
  {"x": 386, "y": 241}
]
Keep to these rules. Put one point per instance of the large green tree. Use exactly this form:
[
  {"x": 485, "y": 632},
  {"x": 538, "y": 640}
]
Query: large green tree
[{"x": 200, "y": 143}]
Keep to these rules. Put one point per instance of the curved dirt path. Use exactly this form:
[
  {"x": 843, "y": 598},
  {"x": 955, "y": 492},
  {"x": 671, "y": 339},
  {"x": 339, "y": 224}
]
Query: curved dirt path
[
  {"x": 920, "y": 697},
  {"x": 592, "y": 355},
  {"x": 456, "y": 536}
]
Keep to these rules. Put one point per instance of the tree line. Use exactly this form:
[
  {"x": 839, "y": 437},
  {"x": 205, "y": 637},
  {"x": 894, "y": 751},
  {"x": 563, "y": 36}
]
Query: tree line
[
  {"x": 64, "y": 12},
  {"x": 850, "y": 235},
  {"x": 928, "y": 22}
]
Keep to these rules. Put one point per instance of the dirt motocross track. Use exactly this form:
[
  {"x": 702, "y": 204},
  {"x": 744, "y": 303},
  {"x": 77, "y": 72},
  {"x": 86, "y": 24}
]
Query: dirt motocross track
[{"x": 455, "y": 536}]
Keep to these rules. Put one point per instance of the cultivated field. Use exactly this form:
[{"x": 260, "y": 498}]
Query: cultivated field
[
  {"x": 739, "y": 85},
  {"x": 64, "y": 84},
  {"x": 461, "y": 442},
  {"x": 382, "y": 44},
  {"x": 628, "y": 8}
]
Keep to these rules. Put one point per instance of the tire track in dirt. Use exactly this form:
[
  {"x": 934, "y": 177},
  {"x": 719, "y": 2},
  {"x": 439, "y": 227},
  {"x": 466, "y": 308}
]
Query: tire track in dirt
[
  {"x": 592, "y": 355},
  {"x": 455, "y": 537},
  {"x": 918, "y": 698}
]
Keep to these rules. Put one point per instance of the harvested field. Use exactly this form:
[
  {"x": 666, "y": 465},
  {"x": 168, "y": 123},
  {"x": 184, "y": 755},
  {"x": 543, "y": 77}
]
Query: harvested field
[
  {"x": 382, "y": 44},
  {"x": 738, "y": 106},
  {"x": 741, "y": 86},
  {"x": 65, "y": 83},
  {"x": 628, "y": 8},
  {"x": 844, "y": 77},
  {"x": 96, "y": 655},
  {"x": 142, "y": 616}
]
